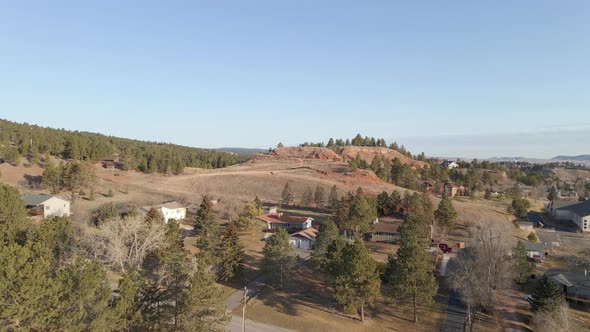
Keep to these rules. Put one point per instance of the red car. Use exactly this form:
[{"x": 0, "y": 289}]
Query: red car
[{"x": 445, "y": 248}]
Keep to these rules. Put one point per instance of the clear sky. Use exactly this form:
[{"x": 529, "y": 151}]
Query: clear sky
[{"x": 450, "y": 78}]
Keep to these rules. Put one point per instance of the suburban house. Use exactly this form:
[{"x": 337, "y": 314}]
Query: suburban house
[
  {"x": 555, "y": 208},
  {"x": 535, "y": 251},
  {"x": 384, "y": 232},
  {"x": 452, "y": 189},
  {"x": 574, "y": 284},
  {"x": 46, "y": 205},
  {"x": 304, "y": 239},
  {"x": 170, "y": 210},
  {"x": 449, "y": 164},
  {"x": 279, "y": 220},
  {"x": 578, "y": 212}
]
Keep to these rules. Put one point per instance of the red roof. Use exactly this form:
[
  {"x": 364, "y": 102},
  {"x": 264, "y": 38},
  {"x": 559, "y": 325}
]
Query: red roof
[{"x": 278, "y": 219}]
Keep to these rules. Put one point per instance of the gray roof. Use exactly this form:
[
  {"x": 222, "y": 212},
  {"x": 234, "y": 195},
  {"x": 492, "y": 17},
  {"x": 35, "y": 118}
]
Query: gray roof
[
  {"x": 531, "y": 246},
  {"x": 35, "y": 199},
  {"x": 558, "y": 204},
  {"x": 581, "y": 208}
]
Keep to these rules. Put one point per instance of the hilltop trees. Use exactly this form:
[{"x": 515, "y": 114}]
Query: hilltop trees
[
  {"x": 135, "y": 155},
  {"x": 277, "y": 261},
  {"x": 411, "y": 273},
  {"x": 356, "y": 281}
]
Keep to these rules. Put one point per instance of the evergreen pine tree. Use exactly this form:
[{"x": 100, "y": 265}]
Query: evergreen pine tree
[
  {"x": 50, "y": 179},
  {"x": 13, "y": 215},
  {"x": 546, "y": 296},
  {"x": 552, "y": 194},
  {"x": 287, "y": 195},
  {"x": 333, "y": 198},
  {"x": 307, "y": 197},
  {"x": 357, "y": 283},
  {"x": 412, "y": 275},
  {"x": 231, "y": 254},
  {"x": 327, "y": 233},
  {"x": 203, "y": 308},
  {"x": 521, "y": 266},
  {"x": 445, "y": 215},
  {"x": 319, "y": 196},
  {"x": 174, "y": 274},
  {"x": 277, "y": 261}
]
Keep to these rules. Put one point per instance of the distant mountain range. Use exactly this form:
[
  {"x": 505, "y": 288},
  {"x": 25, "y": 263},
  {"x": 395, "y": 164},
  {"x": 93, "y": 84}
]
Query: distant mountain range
[{"x": 583, "y": 157}]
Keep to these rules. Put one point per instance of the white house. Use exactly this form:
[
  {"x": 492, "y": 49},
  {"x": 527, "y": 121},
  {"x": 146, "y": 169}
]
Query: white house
[
  {"x": 578, "y": 212},
  {"x": 46, "y": 205},
  {"x": 170, "y": 210},
  {"x": 535, "y": 250},
  {"x": 278, "y": 220},
  {"x": 304, "y": 239},
  {"x": 449, "y": 164}
]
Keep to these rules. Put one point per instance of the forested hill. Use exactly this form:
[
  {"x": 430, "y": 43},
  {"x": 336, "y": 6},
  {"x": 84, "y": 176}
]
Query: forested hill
[{"x": 18, "y": 140}]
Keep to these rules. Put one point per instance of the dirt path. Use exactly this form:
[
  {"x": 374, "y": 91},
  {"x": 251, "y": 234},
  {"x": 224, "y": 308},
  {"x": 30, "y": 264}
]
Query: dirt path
[{"x": 513, "y": 311}]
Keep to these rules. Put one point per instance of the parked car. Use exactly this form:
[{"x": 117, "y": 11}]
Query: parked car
[{"x": 445, "y": 248}]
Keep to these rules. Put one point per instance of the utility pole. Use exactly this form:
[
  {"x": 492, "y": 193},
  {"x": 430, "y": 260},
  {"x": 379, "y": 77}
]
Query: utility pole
[{"x": 244, "y": 309}]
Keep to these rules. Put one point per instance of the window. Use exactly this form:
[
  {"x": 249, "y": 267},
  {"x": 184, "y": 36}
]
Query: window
[{"x": 47, "y": 207}]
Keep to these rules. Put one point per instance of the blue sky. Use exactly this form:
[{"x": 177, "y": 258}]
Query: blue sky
[{"x": 450, "y": 78}]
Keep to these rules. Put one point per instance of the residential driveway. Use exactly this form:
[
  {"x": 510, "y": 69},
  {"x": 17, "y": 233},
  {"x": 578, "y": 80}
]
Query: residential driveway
[
  {"x": 560, "y": 231},
  {"x": 254, "y": 287},
  {"x": 455, "y": 316},
  {"x": 235, "y": 325}
]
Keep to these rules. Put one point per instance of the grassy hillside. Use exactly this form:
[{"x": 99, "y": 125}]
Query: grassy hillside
[{"x": 18, "y": 139}]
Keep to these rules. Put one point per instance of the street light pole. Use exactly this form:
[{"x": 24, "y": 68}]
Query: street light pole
[{"x": 244, "y": 309}]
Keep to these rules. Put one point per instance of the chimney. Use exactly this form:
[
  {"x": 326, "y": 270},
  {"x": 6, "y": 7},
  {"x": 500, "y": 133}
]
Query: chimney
[{"x": 280, "y": 214}]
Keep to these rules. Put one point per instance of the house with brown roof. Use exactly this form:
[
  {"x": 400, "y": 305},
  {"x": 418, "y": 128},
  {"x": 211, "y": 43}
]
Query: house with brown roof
[
  {"x": 279, "y": 220},
  {"x": 384, "y": 232},
  {"x": 304, "y": 239}
]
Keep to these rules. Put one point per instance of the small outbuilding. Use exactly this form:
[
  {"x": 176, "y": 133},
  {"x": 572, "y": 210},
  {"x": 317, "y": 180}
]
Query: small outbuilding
[{"x": 535, "y": 251}]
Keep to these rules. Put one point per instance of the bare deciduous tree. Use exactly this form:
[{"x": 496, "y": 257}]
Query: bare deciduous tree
[
  {"x": 125, "y": 242},
  {"x": 479, "y": 271},
  {"x": 555, "y": 321}
]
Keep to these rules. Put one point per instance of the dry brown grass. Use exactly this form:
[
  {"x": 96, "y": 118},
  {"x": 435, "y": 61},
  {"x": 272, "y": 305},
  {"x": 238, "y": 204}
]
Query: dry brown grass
[{"x": 306, "y": 304}]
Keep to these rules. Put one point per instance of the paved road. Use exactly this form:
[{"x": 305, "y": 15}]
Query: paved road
[
  {"x": 455, "y": 317},
  {"x": 560, "y": 231},
  {"x": 235, "y": 325},
  {"x": 257, "y": 285}
]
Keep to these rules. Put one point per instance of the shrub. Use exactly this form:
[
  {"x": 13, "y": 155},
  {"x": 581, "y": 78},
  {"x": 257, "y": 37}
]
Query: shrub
[
  {"x": 532, "y": 237},
  {"x": 111, "y": 193}
]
